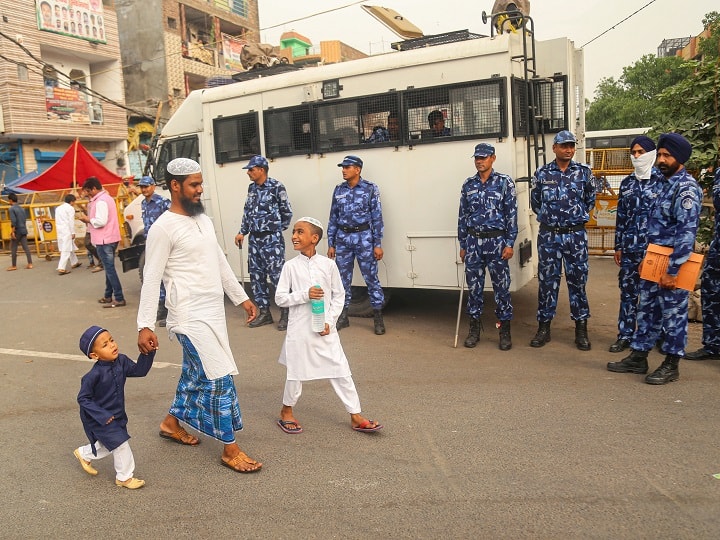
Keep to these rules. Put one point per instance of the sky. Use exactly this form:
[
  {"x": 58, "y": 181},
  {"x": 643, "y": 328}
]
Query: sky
[{"x": 581, "y": 21}]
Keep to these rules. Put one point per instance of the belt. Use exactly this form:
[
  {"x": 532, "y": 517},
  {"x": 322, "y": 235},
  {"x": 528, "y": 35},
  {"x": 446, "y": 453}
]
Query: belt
[
  {"x": 562, "y": 230},
  {"x": 260, "y": 234},
  {"x": 492, "y": 233},
  {"x": 359, "y": 228}
]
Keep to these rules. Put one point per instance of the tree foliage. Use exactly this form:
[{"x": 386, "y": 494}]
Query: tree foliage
[
  {"x": 692, "y": 108},
  {"x": 629, "y": 102}
]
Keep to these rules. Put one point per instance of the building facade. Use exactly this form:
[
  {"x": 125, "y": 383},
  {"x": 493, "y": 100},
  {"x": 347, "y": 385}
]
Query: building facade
[{"x": 61, "y": 79}]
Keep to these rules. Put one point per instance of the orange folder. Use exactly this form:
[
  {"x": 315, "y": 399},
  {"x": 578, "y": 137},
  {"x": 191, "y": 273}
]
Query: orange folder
[{"x": 657, "y": 259}]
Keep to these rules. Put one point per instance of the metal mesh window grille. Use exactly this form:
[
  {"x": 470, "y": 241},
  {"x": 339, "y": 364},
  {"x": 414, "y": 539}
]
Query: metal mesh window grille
[
  {"x": 186, "y": 147},
  {"x": 550, "y": 100},
  {"x": 475, "y": 110},
  {"x": 288, "y": 131},
  {"x": 236, "y": 138}
]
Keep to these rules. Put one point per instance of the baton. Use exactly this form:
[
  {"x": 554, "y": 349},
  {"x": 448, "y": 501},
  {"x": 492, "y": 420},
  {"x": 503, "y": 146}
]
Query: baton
[
  {"x": 462, "y": 291},
  {"x": 242, "y": 267}
]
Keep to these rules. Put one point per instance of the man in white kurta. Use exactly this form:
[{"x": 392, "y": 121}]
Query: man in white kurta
[
  {"x": 310, "y": 355},
  {"x": 65, "y": 228},
  {"x": 182, "y": 251}
]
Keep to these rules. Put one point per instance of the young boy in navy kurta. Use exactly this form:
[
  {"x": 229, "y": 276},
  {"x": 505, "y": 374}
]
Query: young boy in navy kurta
[{"x": 102, "y": 405}]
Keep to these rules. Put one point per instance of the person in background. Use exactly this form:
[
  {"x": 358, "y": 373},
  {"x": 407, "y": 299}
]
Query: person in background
[
  {"x": 65, "y": 227},
  {"x": 266, "y": 215},
  {"x": 436, "y": 121},
  {"x": 152, "y": 206},
  {"x": 355, "y": 231},
  {"x": 672, "y": 222},
  {"x": 710, "y": 289},
  {"x": 562, "y": 196},
  {"x": 18, "y": 233},
  {"x": 487, "y": 229},
  {"x": 104, "y": 225},
  {"x": 638, "y": 194}
]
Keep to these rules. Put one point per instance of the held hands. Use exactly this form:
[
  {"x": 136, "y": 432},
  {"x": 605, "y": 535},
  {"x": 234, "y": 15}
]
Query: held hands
[{"x": 147, "y": 341}]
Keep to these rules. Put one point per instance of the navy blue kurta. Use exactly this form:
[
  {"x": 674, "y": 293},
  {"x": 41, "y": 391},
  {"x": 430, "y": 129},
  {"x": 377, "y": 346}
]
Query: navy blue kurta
[{"x": 102, "y": 396}]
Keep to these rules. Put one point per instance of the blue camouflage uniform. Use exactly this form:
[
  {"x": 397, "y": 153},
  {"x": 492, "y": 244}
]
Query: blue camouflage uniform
[
  {"x": 562, "y": 202},
  {"x": 710, "y": 286},
  {"x": 378, "y": 135},
  {"x": 635, "y": 201},
  {"x": 355, "y": 228},
  {"x": 267, "y": 214},
  {"x": 673, "y": 222},
  {"x": 487, "y": 223},
  {"x": 151, "y": 210}
]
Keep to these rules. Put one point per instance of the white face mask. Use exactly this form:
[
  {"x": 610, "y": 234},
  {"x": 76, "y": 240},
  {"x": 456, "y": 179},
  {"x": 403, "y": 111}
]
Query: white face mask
[{"x": 643, "y": 164}]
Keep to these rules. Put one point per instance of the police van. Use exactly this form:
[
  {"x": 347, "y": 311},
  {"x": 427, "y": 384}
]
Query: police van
[{"x": 506, "y": 89}]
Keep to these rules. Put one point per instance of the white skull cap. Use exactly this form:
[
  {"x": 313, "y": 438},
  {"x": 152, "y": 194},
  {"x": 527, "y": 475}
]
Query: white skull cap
[
  {"x": 183, "y": 166},
  {"x": 312, "y": 221}
]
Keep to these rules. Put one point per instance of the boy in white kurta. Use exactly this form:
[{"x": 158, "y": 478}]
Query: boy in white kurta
[{"x": 310, "y": 355}]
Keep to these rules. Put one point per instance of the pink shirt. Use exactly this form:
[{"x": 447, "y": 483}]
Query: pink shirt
[{"x": 104, "y": 225}]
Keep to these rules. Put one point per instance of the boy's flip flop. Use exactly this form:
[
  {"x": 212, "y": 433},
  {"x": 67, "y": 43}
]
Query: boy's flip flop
[
  {"x": 367, "y": 426},
  {"x": 283, "y": 424}
]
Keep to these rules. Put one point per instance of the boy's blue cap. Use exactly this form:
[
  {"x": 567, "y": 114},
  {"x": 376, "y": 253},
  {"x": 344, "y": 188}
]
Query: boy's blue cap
[
  {"x": 563, "y": 137},
  {"x": 257, "y": 161},
  {"x": 87, "y": 340},
  {"x": 351, "y": 160},
  {"x": 146, "y": 181},
  {"x": 484, "y": 150}
]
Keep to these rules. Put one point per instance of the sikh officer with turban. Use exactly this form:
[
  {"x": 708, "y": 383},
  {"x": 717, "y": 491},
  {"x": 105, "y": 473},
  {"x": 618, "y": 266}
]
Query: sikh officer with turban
[
  {"x": 638, "y": 193},
  {"x": 672, "y": 221}
]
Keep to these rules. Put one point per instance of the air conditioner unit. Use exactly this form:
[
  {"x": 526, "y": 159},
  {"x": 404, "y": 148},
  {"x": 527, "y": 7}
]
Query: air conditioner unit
[{"x": 96, "y": 112}]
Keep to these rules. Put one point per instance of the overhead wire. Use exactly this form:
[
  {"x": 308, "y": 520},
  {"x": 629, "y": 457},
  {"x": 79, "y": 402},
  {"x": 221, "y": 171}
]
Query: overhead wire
[{"x": 618, "y": 23}]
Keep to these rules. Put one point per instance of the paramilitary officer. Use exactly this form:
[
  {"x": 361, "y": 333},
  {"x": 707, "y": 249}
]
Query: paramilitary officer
[
  {"x": 710, "y": 289},
  {"x": 267, "y": 214},
  {"x": 638, "y": 193},
  {"x": 355, "y": 230},
  {"x": 153, "y": 206},
  {"x": 562, "y": 196},
  {"x": 487, "y": 229},
  {"x": 673, "y": 222}
]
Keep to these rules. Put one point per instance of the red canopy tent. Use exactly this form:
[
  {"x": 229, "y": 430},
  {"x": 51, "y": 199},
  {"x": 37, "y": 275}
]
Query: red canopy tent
[{"x": 71, "y": 170}]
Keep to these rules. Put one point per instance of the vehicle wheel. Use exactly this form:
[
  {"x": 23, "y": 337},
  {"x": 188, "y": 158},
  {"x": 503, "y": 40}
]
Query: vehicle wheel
[
  {"x": 360, "y": 302},
  {"x": 141, "y": 265}
]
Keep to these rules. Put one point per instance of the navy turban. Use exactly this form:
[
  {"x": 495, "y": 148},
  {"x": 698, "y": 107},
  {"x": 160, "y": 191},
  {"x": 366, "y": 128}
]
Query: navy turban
[
  {"x": 645, "y": 142},
  {"x": 677, "y": 145}
]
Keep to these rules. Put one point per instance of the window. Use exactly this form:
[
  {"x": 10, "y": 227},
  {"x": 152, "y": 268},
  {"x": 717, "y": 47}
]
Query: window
[
  {"x": 236, "y": 137},
  {"x": 338, "y": 126},
  {"x": 288, "y": 131},
  {"x": 186, "y": 147},
  {"x": 22, "y": 72},
  {"x": 172, "y": 23},
  {"x": 550, "y": 100},
  {"x": 460, "y": 111}
]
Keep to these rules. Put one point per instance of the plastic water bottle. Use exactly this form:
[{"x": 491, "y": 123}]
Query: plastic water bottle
[{"x": 317, "y": 305}]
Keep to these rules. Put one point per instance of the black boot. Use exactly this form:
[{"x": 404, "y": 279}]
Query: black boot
[
  {"x": 283, "y": 322},
  {"x": 635, "y": 363},
  {"x": 542, "y": 336},
  {"x": 342, "y": 321},
  {"x": 264, "y": 317},
  {"x": 581, "y": 337},
  {"x": 505, "y": 341},
  {"x": 378, "y": 321},
  {"x": 161, "y": 317},
  {"x": 474, "y": 334},
  {"x": 667, "y": 372}
]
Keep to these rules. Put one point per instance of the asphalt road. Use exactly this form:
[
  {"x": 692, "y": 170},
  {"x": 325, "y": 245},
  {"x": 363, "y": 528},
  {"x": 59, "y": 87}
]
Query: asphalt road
[{"x": 478, "y": 443}]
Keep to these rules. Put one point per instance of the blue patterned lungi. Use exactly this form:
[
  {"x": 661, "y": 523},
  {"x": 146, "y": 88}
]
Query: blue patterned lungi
[{"x": 209, "y": 406}]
